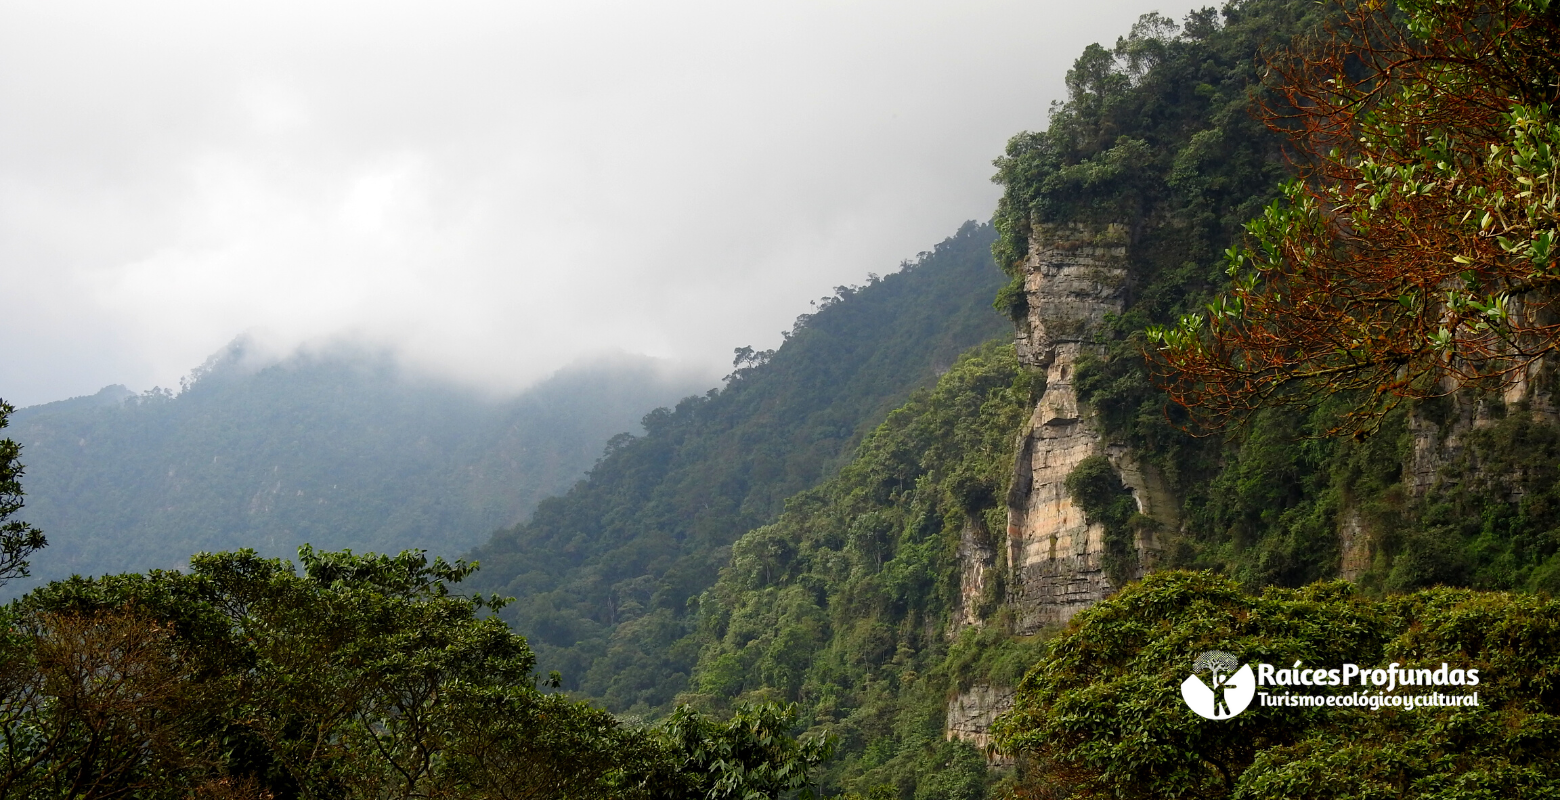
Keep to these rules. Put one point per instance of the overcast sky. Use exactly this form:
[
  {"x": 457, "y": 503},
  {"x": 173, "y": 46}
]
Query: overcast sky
[{"x": 491, "y": 188}]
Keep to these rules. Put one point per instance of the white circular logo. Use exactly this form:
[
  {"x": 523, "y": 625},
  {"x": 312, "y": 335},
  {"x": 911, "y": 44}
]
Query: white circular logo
[{"x": 1228, "y": 690}]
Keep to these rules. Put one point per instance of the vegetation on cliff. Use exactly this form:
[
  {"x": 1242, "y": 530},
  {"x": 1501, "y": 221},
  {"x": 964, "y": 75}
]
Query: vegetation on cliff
[
  {"x": 845, "y": 603},
  {"x": 1266, "y": 501},
  {"x": 1439, "y": 158},
  {"x": 1157, "y": 135}
]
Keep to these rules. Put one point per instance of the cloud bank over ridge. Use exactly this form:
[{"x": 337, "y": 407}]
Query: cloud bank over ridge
[{"x": 491, "y": 189}]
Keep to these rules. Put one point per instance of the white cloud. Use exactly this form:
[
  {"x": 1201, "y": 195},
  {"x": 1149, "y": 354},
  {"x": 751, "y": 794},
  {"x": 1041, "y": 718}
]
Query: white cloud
[{"x": 493, "y": 189}]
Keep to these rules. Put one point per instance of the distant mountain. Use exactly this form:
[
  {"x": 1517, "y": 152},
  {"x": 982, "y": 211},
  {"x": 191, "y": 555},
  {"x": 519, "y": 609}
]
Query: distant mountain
[
  {"x": 603, "y": 574},
  {"x": 337, "y": 450}
]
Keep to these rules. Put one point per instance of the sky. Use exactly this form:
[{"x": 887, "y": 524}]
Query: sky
[{"x": 490, "y": 190}]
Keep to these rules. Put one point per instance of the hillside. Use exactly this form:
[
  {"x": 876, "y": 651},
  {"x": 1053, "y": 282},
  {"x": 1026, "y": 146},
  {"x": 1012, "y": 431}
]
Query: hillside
[
  {"x": 989, "y": 555},
  {"x": 871, "y": 601},
  {"x": 603, "y": 574},
  {"x": 1118, "y": 218},
  {"x": 338, "y": 450},
  {"x": 901, "y": 602}
]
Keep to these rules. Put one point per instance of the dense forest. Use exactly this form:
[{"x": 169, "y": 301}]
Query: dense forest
[
  {"x": 1281, "y": 277},
  {"x": 603, "y": 575},
  {"x": 339, "y": 448},
  {"x": 852, "y": 606},
  {"x": 851, "y": 602}
]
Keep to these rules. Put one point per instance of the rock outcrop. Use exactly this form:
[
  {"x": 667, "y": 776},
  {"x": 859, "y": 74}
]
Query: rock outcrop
[
  {"x": 971, "y": 713},
  {"x": 977, "y": 570},
  {"x": 1355, "y": 545},
  {"x": 1438, "y": 438},
  {"x": 1074, "y": 276}
]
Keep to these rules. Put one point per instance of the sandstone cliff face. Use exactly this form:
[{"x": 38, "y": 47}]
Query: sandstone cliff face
[
  {"x": 977, "y": 569},
  {"x": 1054, "y": 557},
  {"x": 971, "y": 713},
  {"x": 1073, "y": 278},
  {"x": 1436, "y": 443}
]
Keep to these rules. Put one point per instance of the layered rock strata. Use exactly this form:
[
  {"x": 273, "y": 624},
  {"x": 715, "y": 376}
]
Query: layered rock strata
[
  {"x": 1074, "y": 277},
  {"x": 977, "y": 570},
  {"x": 971, "y": 713}
]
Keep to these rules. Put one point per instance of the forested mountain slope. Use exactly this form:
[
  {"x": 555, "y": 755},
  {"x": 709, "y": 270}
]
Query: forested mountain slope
[
  {"x": 603, "y": 574},
  {"x": 337, "y": 450},
  {"x": 900, "y": 602},
  {"x": 1161, "y": 157},
  {"x": 865, "y": 602},
  {"x": 992, "y": 585}
]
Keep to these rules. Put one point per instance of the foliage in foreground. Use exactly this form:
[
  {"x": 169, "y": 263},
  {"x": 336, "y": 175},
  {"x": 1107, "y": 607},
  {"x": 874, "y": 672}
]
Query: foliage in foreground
[
  {"x": 1101, "y": 715},
  {"x": 1416, "y": 251},
  {"x": 360, "y": 677}
]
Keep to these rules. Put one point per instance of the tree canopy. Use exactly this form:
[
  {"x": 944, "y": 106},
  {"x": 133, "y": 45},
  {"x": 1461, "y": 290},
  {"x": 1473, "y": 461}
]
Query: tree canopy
[
  {"x": 1416, "y": 251},
  {"x": 1101, "y": 714},
  {"x": 360, "y": 676}
]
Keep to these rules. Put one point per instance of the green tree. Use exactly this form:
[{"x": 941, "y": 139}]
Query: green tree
[
  {"x": 18, "y": 540},
  {"x": 358, "y": 676},
  {"x": 750, "y": 756},
  {"x": 1101, "y": 715}
]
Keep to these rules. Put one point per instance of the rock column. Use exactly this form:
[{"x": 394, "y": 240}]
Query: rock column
[{"x": 1073, "y": 277}]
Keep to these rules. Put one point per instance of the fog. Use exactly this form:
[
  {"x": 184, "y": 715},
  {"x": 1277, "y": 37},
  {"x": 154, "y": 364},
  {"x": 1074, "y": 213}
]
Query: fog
[{"x": 492, "y": 190}]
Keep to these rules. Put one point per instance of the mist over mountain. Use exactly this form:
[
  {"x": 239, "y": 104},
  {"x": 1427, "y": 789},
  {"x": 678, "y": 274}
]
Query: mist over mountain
[
  {"x": 603, "y": 574},
  {"x": 958, "y": 537},
  {"x": 340, "y": 448}
]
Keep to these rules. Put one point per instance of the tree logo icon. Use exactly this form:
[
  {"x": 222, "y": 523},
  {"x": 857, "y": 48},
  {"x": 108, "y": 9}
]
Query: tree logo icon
[{"x": 1232, "y": 686}]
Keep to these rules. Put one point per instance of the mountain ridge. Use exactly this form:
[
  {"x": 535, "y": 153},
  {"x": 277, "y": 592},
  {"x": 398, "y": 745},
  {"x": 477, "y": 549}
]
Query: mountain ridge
[
  {"x": 340, "y": 449},
  {"x": 604, "y": 573}
]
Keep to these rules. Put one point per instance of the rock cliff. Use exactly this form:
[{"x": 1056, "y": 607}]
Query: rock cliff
[
  {"x": 1074, "y": 276},
  {"x": 977, "y": 570},
  {"x": 971, "y": 713}
]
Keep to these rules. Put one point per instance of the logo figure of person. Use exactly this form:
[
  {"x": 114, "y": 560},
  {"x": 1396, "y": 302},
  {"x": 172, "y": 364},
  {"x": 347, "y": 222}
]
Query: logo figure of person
[
  {"x": 1232, "y": 690},
  {"x": 1221, "y": 667}
]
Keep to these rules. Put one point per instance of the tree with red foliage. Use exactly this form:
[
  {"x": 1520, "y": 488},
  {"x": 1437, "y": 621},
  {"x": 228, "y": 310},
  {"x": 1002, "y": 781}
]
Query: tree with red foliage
[{"x": 1416, "y": 251}]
